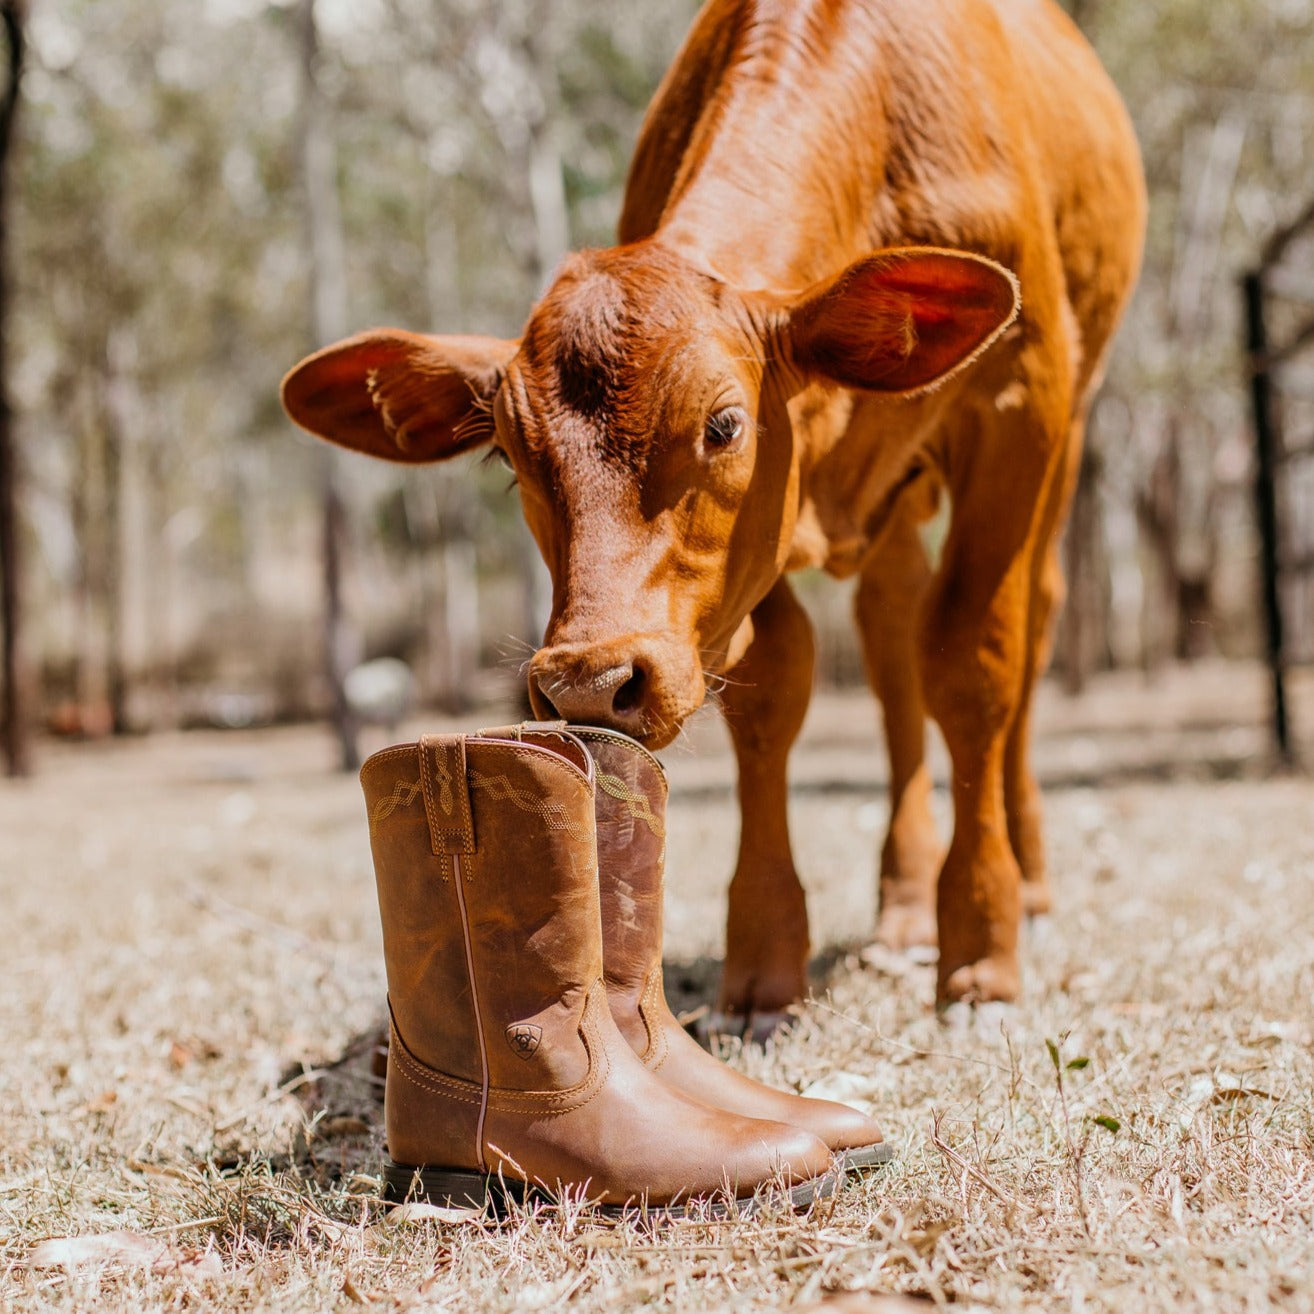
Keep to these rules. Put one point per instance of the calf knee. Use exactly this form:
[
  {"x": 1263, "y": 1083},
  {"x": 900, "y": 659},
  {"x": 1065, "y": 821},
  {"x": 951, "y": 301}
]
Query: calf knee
[{"x": 972, "y": 671}]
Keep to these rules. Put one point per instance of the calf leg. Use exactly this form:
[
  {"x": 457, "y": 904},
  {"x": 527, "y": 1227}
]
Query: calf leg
[
  {"x": 765, "y": 700},
  {"x": 890, "y": 593},
  {"x": 974, "y": 659},
  {"x": 1021, "y": 793}
]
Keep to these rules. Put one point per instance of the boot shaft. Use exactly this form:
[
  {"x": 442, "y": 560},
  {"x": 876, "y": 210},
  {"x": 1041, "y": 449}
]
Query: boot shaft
[
  {"x": 630, "y": 813},
  {"x": 487, "y": 873},
  {"x": 631, "y": 826}
]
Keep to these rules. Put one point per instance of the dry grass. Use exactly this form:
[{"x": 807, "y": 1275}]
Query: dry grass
[{"x": 190, "y": 923}]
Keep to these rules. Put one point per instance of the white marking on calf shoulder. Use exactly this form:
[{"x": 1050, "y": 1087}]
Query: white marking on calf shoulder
[{"x": 1012, "y": 398}]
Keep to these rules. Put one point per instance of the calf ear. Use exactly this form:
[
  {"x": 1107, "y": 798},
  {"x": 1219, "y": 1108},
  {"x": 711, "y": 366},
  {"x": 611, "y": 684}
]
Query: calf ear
[
  {"x": 402, "y": 396},
  {"x": 902, "y": 319}
]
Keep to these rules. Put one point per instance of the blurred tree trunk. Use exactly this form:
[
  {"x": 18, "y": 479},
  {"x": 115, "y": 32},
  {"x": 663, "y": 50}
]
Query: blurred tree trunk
[
  {"x": 91, "y": 513},
  {"x": 1182, "y": 535},
  {"x": 547, "y": 195},
  {"x": 113, "y": 575},
  {"x": 328, "y": 316},
  {"x": 13, "y": 715},
  {"x": 97, "y": 516},
  {"x": 1081, "y": 11},
  {"x": 524, "y": 126},
  {"x": 133, "y": 526},
  {"x": 451, "y": 624}
]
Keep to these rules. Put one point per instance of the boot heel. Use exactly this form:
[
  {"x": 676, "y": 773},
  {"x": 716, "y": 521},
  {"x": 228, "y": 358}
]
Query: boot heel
[{"x": 449, "y": 1188}]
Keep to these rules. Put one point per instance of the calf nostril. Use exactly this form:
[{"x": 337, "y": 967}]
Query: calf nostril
[
  {"x": 629, "y": 697},
  {"x": 543, "y": 706}
]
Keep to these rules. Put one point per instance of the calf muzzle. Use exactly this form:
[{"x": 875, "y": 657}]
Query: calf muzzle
[{"x": 644, "y": 687}]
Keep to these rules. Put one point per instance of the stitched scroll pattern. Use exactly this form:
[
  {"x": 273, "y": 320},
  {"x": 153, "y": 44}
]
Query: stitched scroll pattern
[
  {"x": 404, "y": 793},
  {"x": 554, "y": 815},
  {"x": 638, "y": 804},
  {"x": 444, "y": 769},
  {"x": 446, "y": 796}
]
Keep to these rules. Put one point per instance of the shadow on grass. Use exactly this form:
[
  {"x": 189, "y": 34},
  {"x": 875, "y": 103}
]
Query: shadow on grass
[{"x": 1208, "y": 767}]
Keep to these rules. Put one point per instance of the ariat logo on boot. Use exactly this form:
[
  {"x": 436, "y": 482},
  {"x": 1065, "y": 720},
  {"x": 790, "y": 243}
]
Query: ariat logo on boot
[{"x": 523, "y": 1037}]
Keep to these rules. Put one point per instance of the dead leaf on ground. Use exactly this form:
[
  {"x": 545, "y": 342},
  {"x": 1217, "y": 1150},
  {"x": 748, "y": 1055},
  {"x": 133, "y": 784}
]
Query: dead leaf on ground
[
  {"x": 852, "y": 1088},
  {"x": 1224, "y": 1094},
  {"x": 419, "y": 1212},
  {"x": 126, "y": 1249},
  {"x": 185, "y": 1052},
  {"x": 163, "y": 1170}
]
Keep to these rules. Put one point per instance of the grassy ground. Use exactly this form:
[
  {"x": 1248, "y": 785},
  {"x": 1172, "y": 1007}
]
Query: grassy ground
[{"x": 191, "y": 943}]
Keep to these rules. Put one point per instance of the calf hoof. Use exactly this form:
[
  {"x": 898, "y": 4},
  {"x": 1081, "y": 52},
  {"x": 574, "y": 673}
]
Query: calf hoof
[
  {"x": 761, "y": 988},
  {"x": 908, "y": 929},
  {"x": 754, "y": 1029},
  {"x": 986, "y": 981}
]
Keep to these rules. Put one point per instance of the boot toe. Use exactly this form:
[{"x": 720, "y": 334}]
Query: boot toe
[
  {"x": 841, "y": 1127},
  {"x": 790, "y": 1153}
]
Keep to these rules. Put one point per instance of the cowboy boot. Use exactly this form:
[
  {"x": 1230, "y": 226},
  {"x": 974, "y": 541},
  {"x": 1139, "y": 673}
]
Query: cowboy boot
[
  {"x": 506, "y": 1073},
  {"x": 631, "y": 829}
]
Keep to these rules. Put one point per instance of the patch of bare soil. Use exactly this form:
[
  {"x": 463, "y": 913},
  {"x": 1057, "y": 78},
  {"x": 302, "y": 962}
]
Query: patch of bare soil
[{"x": 191, "y": 945}]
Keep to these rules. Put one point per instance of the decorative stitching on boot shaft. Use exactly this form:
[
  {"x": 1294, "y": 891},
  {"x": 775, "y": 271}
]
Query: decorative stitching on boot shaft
[
  {"x": 446, "y": 798},
  {"x": 404, "y": 793},
  {"x": 556, "y": 816},
  {"x": 427, "y": 1078},
  {"x": 649, "y": 1010},
  {"x": 441, "y": 794},
  {"x": 444, "y": 781},
  {"x": 639, "y": 805}
]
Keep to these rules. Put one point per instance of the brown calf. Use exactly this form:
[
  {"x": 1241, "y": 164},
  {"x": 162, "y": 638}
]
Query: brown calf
[{"x": 808, "y": 333}]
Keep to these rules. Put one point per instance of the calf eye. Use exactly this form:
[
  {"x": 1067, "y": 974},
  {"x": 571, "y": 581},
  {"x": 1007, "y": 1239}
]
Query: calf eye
[{"x": 725, "y": 428}]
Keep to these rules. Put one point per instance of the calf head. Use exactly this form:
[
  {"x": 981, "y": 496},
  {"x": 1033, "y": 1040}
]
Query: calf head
[{"x": 644, "y": 412}]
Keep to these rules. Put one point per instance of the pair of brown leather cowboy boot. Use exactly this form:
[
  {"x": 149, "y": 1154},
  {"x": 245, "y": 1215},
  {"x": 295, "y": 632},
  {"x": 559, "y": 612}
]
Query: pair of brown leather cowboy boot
[{"x": 532, "y": 1050}]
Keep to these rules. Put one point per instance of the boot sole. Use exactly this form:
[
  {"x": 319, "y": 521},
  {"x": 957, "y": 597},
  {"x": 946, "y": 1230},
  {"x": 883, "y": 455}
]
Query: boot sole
[
  {"x": 454, "y": 1188},
  {"x": 867, "y": 1158}
]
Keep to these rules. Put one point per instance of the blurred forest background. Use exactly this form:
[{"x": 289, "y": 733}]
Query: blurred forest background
[{"x": 200, "y": 191}]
